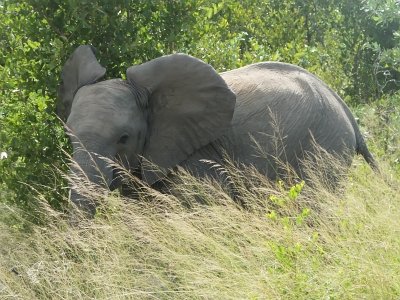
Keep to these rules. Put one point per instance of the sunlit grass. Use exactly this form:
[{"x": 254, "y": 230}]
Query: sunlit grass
[{"x": 273, "y": 241}]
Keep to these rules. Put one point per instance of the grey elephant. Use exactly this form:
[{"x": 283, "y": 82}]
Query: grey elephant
[{"x": 177, "y": 110}]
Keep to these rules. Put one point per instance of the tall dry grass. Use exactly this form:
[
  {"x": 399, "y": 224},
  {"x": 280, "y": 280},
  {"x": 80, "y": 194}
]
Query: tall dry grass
[{"x": 328, "y": 240}]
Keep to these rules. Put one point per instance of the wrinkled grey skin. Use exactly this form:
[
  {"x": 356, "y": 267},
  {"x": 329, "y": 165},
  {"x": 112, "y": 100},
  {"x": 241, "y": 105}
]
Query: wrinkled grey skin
[{"x": 176, "y": 110}]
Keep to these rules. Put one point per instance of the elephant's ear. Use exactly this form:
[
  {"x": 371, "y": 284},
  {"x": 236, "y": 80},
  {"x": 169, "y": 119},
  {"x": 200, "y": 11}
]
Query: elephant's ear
[
  {"x": 81, "y": 68},
  {"x": 190, "y": 105}
]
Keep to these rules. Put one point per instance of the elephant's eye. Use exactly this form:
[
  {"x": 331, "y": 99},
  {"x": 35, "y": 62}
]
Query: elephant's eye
[{"x": 123, "y": 139}]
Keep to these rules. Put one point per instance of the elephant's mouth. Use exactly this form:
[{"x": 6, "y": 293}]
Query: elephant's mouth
[
  {"x": 120, "y": 176},
  {"x": 116, "y": 179}
]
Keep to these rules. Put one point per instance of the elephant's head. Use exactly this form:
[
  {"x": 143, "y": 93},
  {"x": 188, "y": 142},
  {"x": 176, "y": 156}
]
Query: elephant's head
[{"x": 166, "y": 109}]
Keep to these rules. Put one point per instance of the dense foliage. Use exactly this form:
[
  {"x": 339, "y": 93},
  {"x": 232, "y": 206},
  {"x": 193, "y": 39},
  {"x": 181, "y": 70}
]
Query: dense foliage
[{"x": 353, "y": 45}]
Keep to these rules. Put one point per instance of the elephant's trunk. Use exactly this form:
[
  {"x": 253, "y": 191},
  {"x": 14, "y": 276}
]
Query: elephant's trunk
[{"x": 86, "y": 168}]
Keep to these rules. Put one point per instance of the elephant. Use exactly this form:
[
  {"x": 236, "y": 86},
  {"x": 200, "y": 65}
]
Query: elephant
[{"x": 176, "y": 110}]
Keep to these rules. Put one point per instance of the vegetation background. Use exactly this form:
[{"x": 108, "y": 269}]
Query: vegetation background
[{"x": 353, "y": 45}]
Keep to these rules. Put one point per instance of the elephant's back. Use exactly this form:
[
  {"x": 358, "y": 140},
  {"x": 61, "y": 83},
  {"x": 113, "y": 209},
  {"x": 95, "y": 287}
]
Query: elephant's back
[
  {"x": 282, "y": 82},
  {"x": 292, "y": 94},
  {"x": 287, "y": 103}
]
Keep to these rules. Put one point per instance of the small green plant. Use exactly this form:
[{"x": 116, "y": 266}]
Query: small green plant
[
  {"x": 289, "y": 215},
  {"x": 287, "y": 195},
  {"x": 285, "y": 200},
  {"x": 285, "y": 254}
]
